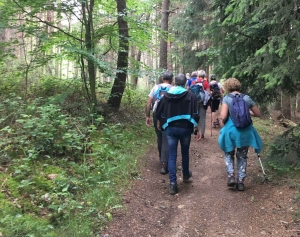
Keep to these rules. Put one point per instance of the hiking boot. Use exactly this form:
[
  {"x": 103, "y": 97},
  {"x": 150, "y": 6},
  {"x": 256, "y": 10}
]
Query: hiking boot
[
  {"x": 231, "y": 181},
  {"x": 173, "y": 188},
  {"x": 215, "y": 125},
  {"x": 217, "y": 122},
  {"x": 240, "y": 186},
  {"x": 186, "y": 178},
  {"x": 163, "y": 169}
]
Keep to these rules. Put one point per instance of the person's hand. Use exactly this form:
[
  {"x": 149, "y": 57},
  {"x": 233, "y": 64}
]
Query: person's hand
[
  {"x": 158, "y": 125},
  {"x": 148, "y": 121},
  {"x": 222, "y": 123},
  {"x": 198, "y": 136}
]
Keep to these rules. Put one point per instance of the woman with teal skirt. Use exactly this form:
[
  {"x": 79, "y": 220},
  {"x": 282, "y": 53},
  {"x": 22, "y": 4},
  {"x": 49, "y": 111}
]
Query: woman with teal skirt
[{"x": 232, "y": 137}]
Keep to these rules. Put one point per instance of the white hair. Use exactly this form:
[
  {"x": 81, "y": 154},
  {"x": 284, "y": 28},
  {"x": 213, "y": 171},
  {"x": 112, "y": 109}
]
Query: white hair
[{"x": 201, "y": 73}]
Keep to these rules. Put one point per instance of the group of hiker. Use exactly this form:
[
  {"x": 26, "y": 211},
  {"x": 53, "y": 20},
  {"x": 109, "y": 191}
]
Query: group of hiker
[{"x": 179, "y": 110}]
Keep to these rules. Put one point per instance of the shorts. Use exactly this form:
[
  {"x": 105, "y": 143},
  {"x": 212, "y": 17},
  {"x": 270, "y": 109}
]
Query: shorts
[{"x": 215, "y": 105}]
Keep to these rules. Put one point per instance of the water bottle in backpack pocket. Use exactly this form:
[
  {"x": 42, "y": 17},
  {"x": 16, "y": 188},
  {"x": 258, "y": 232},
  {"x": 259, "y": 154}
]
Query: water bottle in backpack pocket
[{"x": 239, "y": 111}]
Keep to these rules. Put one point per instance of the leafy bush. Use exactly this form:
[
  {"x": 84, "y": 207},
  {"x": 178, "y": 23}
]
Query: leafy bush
[
  {"x": 67, "y": 94},
  {"x": 45, "y": 131},
  {"x": 91, "y": 166},
  {"x": 283, "y": 153}
]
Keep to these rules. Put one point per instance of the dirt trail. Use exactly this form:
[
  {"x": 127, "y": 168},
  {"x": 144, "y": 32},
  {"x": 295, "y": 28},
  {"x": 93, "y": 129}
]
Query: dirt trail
[{"x": 206, "y": 206}]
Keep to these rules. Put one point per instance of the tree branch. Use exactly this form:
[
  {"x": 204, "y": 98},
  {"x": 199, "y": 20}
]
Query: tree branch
[{"x": 47, "y": 23}]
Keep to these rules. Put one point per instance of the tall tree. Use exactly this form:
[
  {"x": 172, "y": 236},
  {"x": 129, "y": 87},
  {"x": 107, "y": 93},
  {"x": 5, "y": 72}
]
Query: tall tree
[
  {"x": 163, "y": 58},
  {"x": 122, "y": 63},
  {"x": 187, "y": 27}
]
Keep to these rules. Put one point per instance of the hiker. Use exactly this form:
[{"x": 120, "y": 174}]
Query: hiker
[
  {"x": 188, "y": 76},
  {"x": 177, "y": 114},
  {"x": 162, "y": 143},
  {"x": 216, "y": 97},
  {"x": 190, "y": 80},
  {"x": 202, "y": 106},
  {"x": 232, "y": 137}
]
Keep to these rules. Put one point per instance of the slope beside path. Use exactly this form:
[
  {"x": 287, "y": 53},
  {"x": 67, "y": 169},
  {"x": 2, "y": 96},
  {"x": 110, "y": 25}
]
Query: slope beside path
[{"x": 205, "y": 206}]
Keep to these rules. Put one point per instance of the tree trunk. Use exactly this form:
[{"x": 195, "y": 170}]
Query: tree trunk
[
  {"x": 298, "y": 102},
  {"x": 134, "y": 80},
  {"x": 88, "y": 24},
  {"x": 277, "y": 105},
  {"x": 163, "y": 57},
  {"x": 286, "y": 106},
  {"x": 118, "y": 88},
  {"x": 169, "y": 59}
]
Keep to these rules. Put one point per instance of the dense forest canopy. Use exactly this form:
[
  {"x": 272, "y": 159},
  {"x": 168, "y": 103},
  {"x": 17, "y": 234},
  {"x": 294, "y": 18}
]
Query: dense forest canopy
[{"x": 256, "y": 41}]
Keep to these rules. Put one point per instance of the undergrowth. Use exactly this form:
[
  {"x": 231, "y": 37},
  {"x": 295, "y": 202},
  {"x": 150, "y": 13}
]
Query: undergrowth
[
  {"x": 60, "y": 174},
  {"x": 282, "y": 154}
]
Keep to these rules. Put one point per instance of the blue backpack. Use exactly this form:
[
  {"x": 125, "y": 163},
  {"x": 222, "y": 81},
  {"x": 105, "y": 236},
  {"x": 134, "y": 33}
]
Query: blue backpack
[
  {"x": 239, "y": 111},
  {"x": 158, "y": 95},
  {"x": 198, "y": 90}
]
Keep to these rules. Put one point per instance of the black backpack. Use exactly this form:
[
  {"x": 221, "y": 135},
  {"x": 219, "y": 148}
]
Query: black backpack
[{"x": 216, "y": 93}]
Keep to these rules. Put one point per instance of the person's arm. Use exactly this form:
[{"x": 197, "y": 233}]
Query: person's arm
[
  {"x": 224, "y": 113},
  {"x": 159, "y": 110},
  {"x": 255, "y": 112},
  {"x": 147, "y": 111},
  {"x": 188, "y": 84},
  {"x": 194, "y": 108},
  {"x": 206, "y": 86}
]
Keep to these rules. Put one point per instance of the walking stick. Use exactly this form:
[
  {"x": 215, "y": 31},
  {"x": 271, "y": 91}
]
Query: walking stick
[
  {"x": 211, "y": 118},
  {"x": 263, "y": 170}
]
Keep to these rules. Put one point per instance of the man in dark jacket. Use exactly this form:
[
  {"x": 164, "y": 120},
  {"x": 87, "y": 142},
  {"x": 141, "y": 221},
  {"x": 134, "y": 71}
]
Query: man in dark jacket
[{"x": 177, "y": 114}]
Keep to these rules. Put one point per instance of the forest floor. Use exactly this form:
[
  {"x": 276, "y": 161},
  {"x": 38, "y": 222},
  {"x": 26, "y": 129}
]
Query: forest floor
[{"x": 205, "y": 206}]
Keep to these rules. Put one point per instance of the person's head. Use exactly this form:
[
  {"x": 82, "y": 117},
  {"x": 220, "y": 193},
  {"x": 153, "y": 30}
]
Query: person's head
[
  {"x": 167, "y": 76},
  {"x": 180, "y": 80},
  {"x": 201, "y": 73},
  {"x": 232, "y": 84},
  {"x": 212, "y": 77},
  {"x": 194, "y": 74},
  {"x": 188, "y": 75}
]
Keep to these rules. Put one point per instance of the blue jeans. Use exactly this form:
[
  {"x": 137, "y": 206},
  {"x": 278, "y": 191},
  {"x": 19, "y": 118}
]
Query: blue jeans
[
  {"x": 175, "y": 134},
  {"x": 241, "y": 156}
]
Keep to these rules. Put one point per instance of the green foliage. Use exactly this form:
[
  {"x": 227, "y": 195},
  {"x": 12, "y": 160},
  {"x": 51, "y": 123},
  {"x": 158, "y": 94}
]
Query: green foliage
[
  {"x": 24, "y": 225},
  {"x": 46, "y": 190},
  {"x": 255, "y": 45},
  {"x": 43, "y": 131},
  {"x": 284, "y": 151},
  {"x": 187, "y": 27}
]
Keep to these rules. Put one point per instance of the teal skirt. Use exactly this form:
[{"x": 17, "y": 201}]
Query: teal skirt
[{"x": 231, "y": 137}]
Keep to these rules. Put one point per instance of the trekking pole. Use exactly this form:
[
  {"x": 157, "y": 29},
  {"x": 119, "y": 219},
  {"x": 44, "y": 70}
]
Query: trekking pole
[
  {"x": 263, "y": 170},
  {"x": 211, "y": 118}
]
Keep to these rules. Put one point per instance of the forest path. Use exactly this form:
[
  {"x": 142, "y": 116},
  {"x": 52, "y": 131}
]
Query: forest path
[{"x": 205, "y": 206}]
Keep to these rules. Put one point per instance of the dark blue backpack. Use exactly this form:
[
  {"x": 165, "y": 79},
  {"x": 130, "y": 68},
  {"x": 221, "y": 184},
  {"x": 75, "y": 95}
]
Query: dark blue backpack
[
  {"x": 239, "y": 111},
  {"x": 198, "y": 90}
]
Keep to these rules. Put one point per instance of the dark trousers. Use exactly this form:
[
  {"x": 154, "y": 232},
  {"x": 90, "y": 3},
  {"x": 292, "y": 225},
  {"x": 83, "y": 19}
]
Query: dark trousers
[{"x": 162, "y": 143}]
